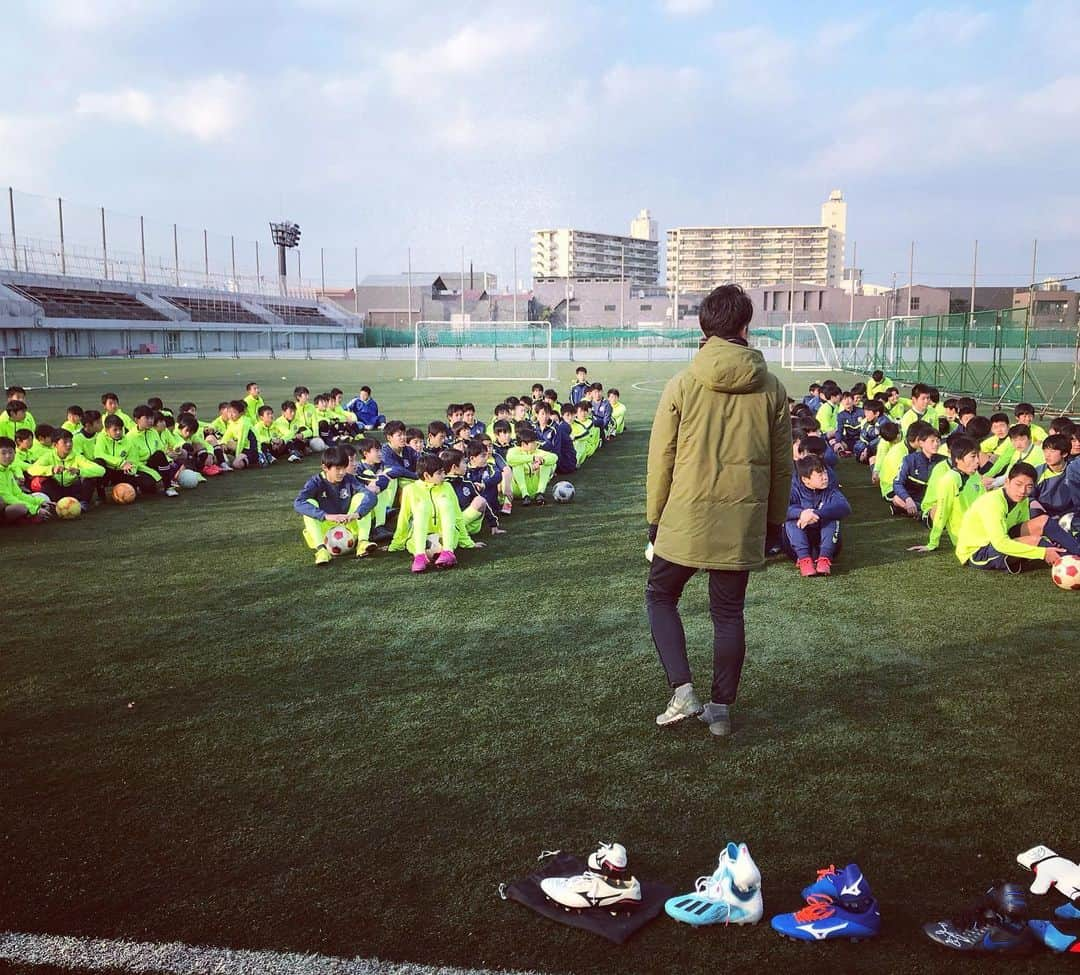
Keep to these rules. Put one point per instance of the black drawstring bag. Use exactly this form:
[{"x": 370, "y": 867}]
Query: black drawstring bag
[{"x": 618, "y": 928}]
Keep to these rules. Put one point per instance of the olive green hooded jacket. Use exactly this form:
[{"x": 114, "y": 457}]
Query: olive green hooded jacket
[{"x": 719, "y": 460}]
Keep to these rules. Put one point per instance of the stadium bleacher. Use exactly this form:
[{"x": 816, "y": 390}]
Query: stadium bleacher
[
  {"x": 299, "y": 314},
  {"x": 77, "y": 303},
  {"x": 215, "y": 310}
]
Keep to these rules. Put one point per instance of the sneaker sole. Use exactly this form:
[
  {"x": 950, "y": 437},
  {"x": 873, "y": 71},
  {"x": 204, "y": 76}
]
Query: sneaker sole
[{"x": 670, "y": 721}]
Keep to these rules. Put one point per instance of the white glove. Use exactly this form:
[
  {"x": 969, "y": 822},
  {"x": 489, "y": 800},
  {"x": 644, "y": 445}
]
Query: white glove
[{"x": 1057, "y": 872}]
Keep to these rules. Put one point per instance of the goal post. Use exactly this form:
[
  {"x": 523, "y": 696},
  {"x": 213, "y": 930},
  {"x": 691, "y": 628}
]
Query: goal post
[
  {"x": 483, "y": 351},
  {"x": 808, "y": 347},
  {"x": 30, "y": 372}
]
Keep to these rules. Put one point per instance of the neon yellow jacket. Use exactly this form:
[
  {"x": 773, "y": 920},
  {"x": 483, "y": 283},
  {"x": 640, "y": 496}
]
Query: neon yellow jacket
[
  {"x": 987, "y": 522},
  {"x": 618, "y": 416},
  {"x": 237, "y": 431},
  {"x": 12, "y": 493},
  {"x": 873, "y": 388},
  {"x": 129, "y": 423},
  {"x": 9, "y": 426},
  {"x": 139, "y": 446},
  {"x": 1038, "y": 434},
  {"x": 253, "y": 404},
  {"x": 82, "y": 444},
  {"x": 217, "y": 426},
  {"x": 408, "y": 497},
  {"x": 305, "y": 419},
  {"x": 911, "y": 416},
  {"x": 826, "y": 416},
  {"x": 74, "y": 467},
  {"x": 111, "y": 453},
  {"x": 891, "y": 462},
  {"x": 954, "y": 495},
  {"x": 282, "y": 429},
  {"x": 263, "y": 433}
]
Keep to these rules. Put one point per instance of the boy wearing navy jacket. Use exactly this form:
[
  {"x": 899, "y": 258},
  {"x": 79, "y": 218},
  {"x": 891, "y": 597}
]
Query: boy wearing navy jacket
[
  {"x": 335, "y": 497},
  {"x": 811, "y": 534},
  {"x": 848, "y": 423},
  {"x": 366, "y": 410},
  {"x": 581, "y": 387},
  {"x": 909, "y": 488}
]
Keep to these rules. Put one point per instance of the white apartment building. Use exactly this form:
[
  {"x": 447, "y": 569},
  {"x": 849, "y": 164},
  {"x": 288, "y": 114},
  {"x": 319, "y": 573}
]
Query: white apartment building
[
  {"x": 582, "y": 255},
  {"x": 700, "y": 258}
]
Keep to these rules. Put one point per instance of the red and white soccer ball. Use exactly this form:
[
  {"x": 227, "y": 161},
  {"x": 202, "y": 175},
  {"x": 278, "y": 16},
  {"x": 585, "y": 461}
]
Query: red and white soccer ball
[
  {"x": 339, "y": 540},
  {"x": 1066, "y": 574}
]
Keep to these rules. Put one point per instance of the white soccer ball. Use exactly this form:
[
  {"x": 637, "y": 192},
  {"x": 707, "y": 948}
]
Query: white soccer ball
[
  {"x": 317, "y": 443},
  {"x": 1066, "y": 574},
  {"x": 563, "y": 492},
  {"x": 1066, "y": 521},
  {"x": 187, "y": 479},
  {"x": 42, "y": 497},
  {"x": 434, "y": 544},
  {"x": 339, "y": 540}
]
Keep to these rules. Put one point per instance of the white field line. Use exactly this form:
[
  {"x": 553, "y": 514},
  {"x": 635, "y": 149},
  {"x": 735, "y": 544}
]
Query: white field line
[
  {"x": 645, "y": 386},
  {"x": 99, "y": 954}
]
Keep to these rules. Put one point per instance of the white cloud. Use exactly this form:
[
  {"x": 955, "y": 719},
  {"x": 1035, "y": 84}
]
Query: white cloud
[
  {"x": 913, "y": 131},
  {"x": 471, "y": 53},
  {"x": 686, "y": 8},
  {"x": 206, "y": 108},
  {"x": 757, "y": 65},
  {"x": 947, "y": 25},
  {"x": 1053, "y": 27},
  {"x": 623, "y": 83},
  {"x": 830, "y": 38},
  {"x": 31, "y": 146},
  {"x": 100, "y": 15}
]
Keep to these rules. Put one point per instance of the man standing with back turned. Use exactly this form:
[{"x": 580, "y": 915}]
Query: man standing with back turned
[{"x": 719, "y": 471}]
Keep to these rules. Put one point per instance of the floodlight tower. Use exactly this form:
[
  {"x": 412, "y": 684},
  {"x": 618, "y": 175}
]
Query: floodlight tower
[{"x": 285, "y": 234}]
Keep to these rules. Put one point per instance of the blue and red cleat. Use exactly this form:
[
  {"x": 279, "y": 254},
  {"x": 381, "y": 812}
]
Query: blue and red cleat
[{"x": 839, "y": 905}]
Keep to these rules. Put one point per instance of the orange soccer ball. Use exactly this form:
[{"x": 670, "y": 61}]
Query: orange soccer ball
[{"x": 123, "y": 494}]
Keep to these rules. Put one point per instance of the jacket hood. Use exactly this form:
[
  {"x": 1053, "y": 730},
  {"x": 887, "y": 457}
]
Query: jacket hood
[{"x": 729, "y": 368}]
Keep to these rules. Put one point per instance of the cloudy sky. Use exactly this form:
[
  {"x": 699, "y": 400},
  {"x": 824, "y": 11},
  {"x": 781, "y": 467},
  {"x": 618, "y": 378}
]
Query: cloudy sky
[{"x": 389, "y": 124}]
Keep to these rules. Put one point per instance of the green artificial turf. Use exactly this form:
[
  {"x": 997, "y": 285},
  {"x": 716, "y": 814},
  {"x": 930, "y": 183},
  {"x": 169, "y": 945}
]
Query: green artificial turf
[{"x": 207, "y": 739}]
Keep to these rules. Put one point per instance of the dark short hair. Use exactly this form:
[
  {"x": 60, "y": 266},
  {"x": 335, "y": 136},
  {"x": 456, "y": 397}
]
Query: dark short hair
[
  {"x": 1058, "y": 441},
  {"x": 725, "y": 312},
  {"x": 999, "y": 418},
  {"x": 874, "y": 404},
  {"x": 142, "y": 410},
  {"x": 1020, "y": 430},
  {"x": 962, "y": 446},
  {"x": 451, "y": 458},
  {"x": 812, "y": 464},
  {"x": 436, "y": 427},
  {"x": 1022, "y": 469},
  {"x": 365, "y": 389},
  {"x": 7, "y": 443},
  {"x": 112, "y": 422},
  {"x": 366, "y": 444},
  {"x": 1024, "y": 408},
  {"x": 428, "y": 465},
  {"x": 394, "y": 426},
  {"x": 335, "y": 456},
  {"x": 978, "y": 428},
  {"x": 16, "y": 406}
]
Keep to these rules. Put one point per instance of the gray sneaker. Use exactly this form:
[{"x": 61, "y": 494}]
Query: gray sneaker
[
  {"x": 717, "y": 717},
  {"x": 684, "y": 703}
]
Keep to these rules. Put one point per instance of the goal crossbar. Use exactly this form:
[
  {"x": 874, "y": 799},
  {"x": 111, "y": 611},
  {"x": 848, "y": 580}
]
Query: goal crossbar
[{"x": 437, "y": 342}]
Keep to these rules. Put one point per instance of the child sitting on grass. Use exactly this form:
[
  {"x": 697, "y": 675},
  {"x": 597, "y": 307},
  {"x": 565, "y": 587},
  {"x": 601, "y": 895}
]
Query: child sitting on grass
[
  {"x": 811, "y": 534},
  {"x": 952, "y": 489},
  {"x": 998, "y": 531},
  {"x": 429, "y": 507},
  {"x": 15, "y": 503},
  {"x": 335, "y": 497},
  {"x": 532, "y": 468},
  {"x": 909, "y": 485}
]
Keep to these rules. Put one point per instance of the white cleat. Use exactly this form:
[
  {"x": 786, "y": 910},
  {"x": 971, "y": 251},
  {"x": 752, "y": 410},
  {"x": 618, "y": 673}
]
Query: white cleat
[
  {"x": 609, "y": 859},
  {"x": 591, "y": 890}
]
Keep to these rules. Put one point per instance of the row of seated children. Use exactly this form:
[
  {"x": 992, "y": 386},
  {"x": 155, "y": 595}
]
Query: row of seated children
[
  {"x": 443, "y": 488},
  {"x": 938, "y": 461}
]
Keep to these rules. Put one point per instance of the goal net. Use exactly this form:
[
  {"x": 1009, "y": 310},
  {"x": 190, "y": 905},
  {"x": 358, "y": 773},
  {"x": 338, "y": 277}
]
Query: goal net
[
  {"x": 30, "y": 372},
  {"x": 808, "y": 347},
  {"x": 483, "y": 351}
]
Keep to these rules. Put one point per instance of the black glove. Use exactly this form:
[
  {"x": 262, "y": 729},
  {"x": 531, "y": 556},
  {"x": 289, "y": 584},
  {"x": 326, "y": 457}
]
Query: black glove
[{"x": 652, "y": 532}]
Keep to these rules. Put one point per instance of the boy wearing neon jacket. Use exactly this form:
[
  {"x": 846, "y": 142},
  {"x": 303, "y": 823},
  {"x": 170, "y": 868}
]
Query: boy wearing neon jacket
[
  {"x": 17, "y": 394},
  {"x": 286, "y": 436},
  {"x": 1025, "y": 413},
  {"x": 111, "y": 452},
  {"x": 953, "y": 488},
  {"x": 890, "y": 455},
  {"x": 82, "y": 440},
  {"x": 429, "y": 506},
  {"x": 239, "y": 439},
  {"x": 618, "y": 411},
  {"x": 16, "y": 417},
  {"x": 532, "y": 469},
  {"x": 144, "y": 451},
  {"x": 253, "y": 402},
  {"x": 15, "y": 503},
  {"x": 998, "y": 532},
  {"x": 61, "y": 473},
  {"x": 110, "y": 406},
  {"x": 826, "y": 412},
  {"x": 920, "y": 408},
  {"x": 335, "y": 497}
]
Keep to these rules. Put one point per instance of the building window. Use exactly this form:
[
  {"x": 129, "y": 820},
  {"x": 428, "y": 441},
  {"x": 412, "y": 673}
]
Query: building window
[
  {"x": 574, "y": 306},
  {"x": 644, "y": 307},
  {"x": 915, "y": 303},
  {"x": 609, "y": 307},
  {"x": 1053, "y": 308}
]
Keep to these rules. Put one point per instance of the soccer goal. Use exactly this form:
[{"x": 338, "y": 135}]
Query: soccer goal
[
  {"x": 480, "y": 351},
  {"x": 808, "y": 347},
  {"x": 30, "y": 372}
]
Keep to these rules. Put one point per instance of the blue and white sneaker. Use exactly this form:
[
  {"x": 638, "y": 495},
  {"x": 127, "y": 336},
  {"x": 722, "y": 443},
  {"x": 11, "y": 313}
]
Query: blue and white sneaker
[
  {"x": 847, "y": 886},
  {"x": 730, "y": 895},
  {"x": 1054, "y": 939},
  {"x": 824, "y": 919}
]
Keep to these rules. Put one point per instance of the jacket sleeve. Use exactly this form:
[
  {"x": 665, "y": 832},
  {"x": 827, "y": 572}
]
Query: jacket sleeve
[
  {"x": 780, "y": 443},
  {"x": 942, "y": 513},
  {"x": 86, "y": 467},
  {"x": 901, "y": 476},
  {"x": 834, "y": 507},
  {"x": 104, "y": 457},
  {"x": 394, "y": 466},
  {"x": 305, "y": 503},
  {"x": 795, "y": 505},
  {"x": 993, "y": 524},
  {"x": 663, "y": 443}
]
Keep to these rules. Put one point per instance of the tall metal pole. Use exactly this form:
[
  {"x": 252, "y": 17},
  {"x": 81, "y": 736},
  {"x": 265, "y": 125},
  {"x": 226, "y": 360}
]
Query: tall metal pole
[
  {"x": 622, "y": 285},
  {"x": 408, "y": 281},
  {"x": 63, "y": 254},
  {"x": 206, "y": 255},
  {"x": 232, "y": 254},
  {"x": 104, "y": 246},
  {"x": 176, "y": 253},
  {"x": 142, "y": 247},
  {"x": 515, "y": 284},
  {"x": 791, "y": 293},
  {"x": 356, "y": 280},
  {"x": 258, "y": 270},
  {"x": 11, "y": 211},
  {"x": 322, "y": 268},
  {"x": 974, "y": 276},
  {"x": 462, "y": 285},
  {"x": 911, "y": 277},
  {"x": 854, "y": 258}
]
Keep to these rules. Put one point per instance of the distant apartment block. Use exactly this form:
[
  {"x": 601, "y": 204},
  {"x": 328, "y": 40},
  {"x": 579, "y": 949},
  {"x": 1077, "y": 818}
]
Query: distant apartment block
[
  {"x": 582, "y": 255},
  {"x": 700, "y": 258}
]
